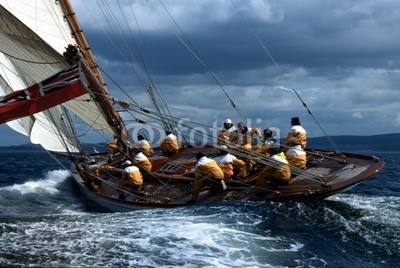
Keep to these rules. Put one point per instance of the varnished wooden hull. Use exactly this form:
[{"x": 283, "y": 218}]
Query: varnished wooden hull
[{"x": 169, "y": 186}]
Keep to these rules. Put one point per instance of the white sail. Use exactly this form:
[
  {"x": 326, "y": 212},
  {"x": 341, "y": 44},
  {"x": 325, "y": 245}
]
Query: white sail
[
  {"x": 37, "y": 127},
  {"x": 33, "y": 54},
  {"x": 46, "y": 19},
  {"x": 7, "y": 71}
]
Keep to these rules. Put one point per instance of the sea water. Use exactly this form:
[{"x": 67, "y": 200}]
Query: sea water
[{"x": 46, "y": 222}]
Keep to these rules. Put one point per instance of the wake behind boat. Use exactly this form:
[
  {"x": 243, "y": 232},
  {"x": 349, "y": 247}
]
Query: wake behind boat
[{"x": 52, "y": 86}]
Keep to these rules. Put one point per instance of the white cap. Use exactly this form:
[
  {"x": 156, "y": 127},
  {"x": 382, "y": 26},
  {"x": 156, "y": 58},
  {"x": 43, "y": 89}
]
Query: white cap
[
  {"x": 228, "y": 121},
  {"x": 223, "y": 147},
  {"x": 127, "y": 162}
]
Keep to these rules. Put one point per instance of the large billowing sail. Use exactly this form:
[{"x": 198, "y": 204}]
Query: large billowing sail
[{"x": 33, "y": 36}]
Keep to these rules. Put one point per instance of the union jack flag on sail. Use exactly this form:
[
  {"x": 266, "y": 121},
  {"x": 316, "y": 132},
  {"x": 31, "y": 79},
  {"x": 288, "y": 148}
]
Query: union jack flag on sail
[{"x": 59, "y": 88}]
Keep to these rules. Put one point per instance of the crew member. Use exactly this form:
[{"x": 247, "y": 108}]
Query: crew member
[
  {"x": 295, "y": 155},
  {"x": 226, "y": 133},
  {"x": 131, "y": 178},
  {"x": 144, "y": 145},
  {"x": 245, "y": 136},
  {"x": 142, "y": 161},
  {"x": 229, "y": 163},
  {"x": 171, "y": 144},
  {"x": 93, "y": 181},
  {"x": 277, "y": 172},
  {"x": 267, "y": 144},
  {"x": 206, "y": 171},
  {"x": 115, "y": 145},
  {"x": 297, "y": 131}
]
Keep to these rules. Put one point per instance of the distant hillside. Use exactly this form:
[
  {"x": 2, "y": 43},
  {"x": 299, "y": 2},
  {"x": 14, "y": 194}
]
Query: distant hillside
[
  {"x": 20, "y": 148},
  {"x": 384, "y": 142}
]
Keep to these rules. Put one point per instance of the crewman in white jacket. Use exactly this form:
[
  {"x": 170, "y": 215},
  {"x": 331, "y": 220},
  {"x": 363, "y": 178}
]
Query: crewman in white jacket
[
  {"x": 297, "y": 131},
  {"x": 206, "y": 171}
]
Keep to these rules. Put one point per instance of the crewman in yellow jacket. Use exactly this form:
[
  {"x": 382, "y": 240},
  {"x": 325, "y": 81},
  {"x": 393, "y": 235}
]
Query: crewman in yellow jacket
[
  {"x": 267, "y": 144},
  {"x": 142, "y": 161},
  {"x": 171, "y": 144},
  {"x": 245, "y": 135},
  {"x": 226, "y": 133},
  {"x": 229, "y": 163},
  {"x": 295, "y": 155},
  {"x": 277, "y": 173},
  {"x": 144, "y": 145},
  {"x": 115, "y": 145},
  {"x": 93, "y": 180},
  {"x": 206, "y": 171},
  {"x": 297, "y": 131},
  {"x": 131, "y": 178}
]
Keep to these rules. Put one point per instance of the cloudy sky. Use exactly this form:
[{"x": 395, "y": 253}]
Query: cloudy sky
[{"x": 342, "y": 58}]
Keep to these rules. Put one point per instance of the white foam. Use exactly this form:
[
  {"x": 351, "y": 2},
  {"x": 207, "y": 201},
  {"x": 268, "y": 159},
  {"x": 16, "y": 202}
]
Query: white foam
[
  {"x": 156, "y": 238},
  {"x": 35, "y": 196},
  {"x": 46, "y": 185}
]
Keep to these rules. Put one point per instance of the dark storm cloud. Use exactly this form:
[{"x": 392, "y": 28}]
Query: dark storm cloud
[
  {"x": 313, "y": 34},
  {"x": 342, "y": 57}
]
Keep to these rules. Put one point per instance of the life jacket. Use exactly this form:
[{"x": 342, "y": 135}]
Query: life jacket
[
  {"x": 296, "y": 156},
  {"x": 297, "y": 132},
  {"x": 142, "y": 161},
  {"x": 170, "y": 145},
  {"x": 145, "y": 146},
  {"x": 207, "y": 167},
  {"x": 282, "y": 171},
  {"x": 228, "y": 163},
  {"x": 133, "y": 175}
]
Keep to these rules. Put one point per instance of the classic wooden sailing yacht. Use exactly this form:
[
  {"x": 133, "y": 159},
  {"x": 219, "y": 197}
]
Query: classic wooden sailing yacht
[{"x": 49, "y": 73}]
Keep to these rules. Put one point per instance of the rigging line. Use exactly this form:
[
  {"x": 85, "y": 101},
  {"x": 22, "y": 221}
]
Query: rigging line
[
  {"x": 155, "y": 117},
  {"x": 114, "y": 43},
  {"x": 160, "y": 96},
  {"x": 30, "y": 61},
  {"x": 65, "y": 117},
  {"x": 263, "y": 158},
  {"x": 55, "y": 158},
  {"x": 118, "y": 86},
  {"x": 138, "y": 74},
  {"x": 164, "y": 184},
  {"x": 52, "y": 11},
  {"x": 61, "y": 132},
  {"x": 243, "y": 152},
  {"x": 141, "y": 62},
  {"x": 192, "y": 50},
  {"x": 143, "y": 74},
  {"x": 280, "y": 70},
  {"x": 90, "y": 127},
  {"x": 112, "y": 184}
]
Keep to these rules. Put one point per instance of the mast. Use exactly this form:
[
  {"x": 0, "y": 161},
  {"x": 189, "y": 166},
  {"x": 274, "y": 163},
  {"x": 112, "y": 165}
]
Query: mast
[
  {"x": 80, "y": 38},
  {"x": 95, "y": 79}
]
